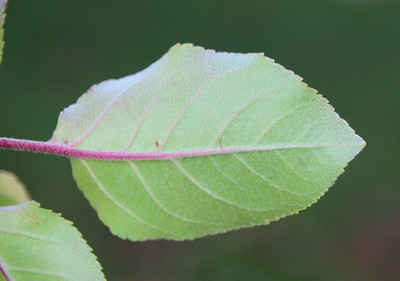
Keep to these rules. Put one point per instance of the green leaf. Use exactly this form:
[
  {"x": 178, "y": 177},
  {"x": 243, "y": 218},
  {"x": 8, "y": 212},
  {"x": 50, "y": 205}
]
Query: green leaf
[
  {"x": 230, "y": 140},
  {"x": 12, "y": 191},
  {"x": 36, "y": 244},
  {"x": 2, "y": 18}
]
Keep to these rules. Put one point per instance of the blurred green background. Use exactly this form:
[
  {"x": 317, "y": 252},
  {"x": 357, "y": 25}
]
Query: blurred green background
[{"x": 347, "y": 49}]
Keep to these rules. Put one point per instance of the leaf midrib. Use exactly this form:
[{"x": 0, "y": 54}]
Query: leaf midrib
[{"x": 64, "y": 150}]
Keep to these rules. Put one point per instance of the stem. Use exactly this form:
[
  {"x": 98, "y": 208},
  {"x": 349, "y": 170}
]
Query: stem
[
  {"x": 2, "y": 270},
  {"x": 34, "y": 146},
  {"x": 71, "y": 152},
  {"x": 68, "y": 151}
]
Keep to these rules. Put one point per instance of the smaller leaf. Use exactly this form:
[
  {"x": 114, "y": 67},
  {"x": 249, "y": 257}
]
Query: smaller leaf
[
  {"x": 38, "y": 245},
  {"x": 2, "y": 17},
  {"x": 12, "y": 191}
]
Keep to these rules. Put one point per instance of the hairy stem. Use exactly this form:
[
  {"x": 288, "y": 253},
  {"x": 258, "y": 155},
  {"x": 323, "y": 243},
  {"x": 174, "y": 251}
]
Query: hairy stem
[
  {"x": 68, "y": 151},
  {"x": 71, "y": 152},
  {"x": 2, "y": 271}
]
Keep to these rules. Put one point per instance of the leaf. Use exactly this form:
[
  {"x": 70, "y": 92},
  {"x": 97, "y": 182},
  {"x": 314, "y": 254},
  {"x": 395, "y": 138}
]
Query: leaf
[
  {"x": 2, "y": 18},
  {"x": 203, "y": 142},
  {"x": 12, "y": 191},
  {"x": 36, "y": 244}
]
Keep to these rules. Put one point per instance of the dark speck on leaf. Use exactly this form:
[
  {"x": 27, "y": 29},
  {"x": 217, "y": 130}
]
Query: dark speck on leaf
[
  {"x": 33, "y": 217},
  {"x": 157, "y": 144}
]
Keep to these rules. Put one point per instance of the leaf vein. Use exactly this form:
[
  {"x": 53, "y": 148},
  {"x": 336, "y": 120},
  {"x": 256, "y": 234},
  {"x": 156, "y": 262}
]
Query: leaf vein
[
  {"x": 158, "y": 203},
  {"x": 240, "y": 110},
  {"x": 6, "y": 231},
  {"x": 293, "y": 169},
  {"x": 198, "y": 185},
  {"x": 104, "y": 113},
  {"x": 195, "y": 96},
  {"x": 159, "y": 92},
  {"x": 262, "y": 177},
  {"x": 40, "y": 272},
  {"x": 225, "y": 175},
  {"x": 280, "y": 118},
  {"x": 102, "y": 189}
]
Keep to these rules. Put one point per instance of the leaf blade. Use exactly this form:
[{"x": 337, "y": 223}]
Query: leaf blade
[
  {"x": 284, "y": 144},
  {"x": 37, "y": 244}
]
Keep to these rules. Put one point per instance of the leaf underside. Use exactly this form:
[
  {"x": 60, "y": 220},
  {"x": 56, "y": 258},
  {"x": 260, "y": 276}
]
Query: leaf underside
[
  {"x": 290, "y": 145},
  {"x": 38, "y": 245}
]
